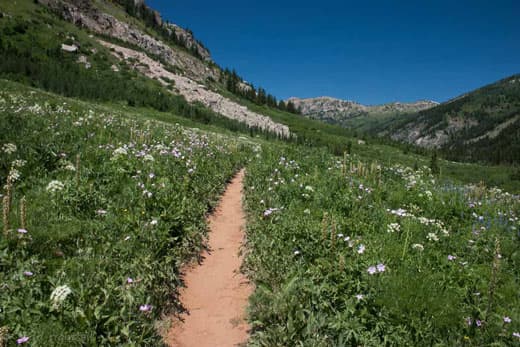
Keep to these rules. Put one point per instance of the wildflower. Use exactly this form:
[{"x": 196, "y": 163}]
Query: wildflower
[
  {"x": 516, "y": 334},
  {"x": 55, "y": 186},
  {"x": 359, "y": 296},
  {"x": 145, "y": 308},
  {"x": 101, "y": 212},
  {"x": 469, "y": 321},
  {"x": 361, "y": 249},
  {"x": 393, "y": 227},
  {"x": 381, "y": 267},
  {"x": 22, "y": 231},
  {"x": 372, "y": 270},
  {"x": 451, "y": 257},
  {"x": 309, "y": 188},
  {"x": 120, "y": 151},
  {"x": 27, "y": 273},
  {"x": 151, "y": 175},
  {"x": 22, "y": 340},
  {"x": 154, "y": 222},
  {"x": 59, "y": 294},
  {"x": 269, "y": 211},
  {"x": 418, "y": 246},
  {"x": 127, "y": 238},
  {"x": 129, "y": 280},
  {"x": 478, "y": 322},
  {"x": 14, "y": 175},
  {"x": 297, "y": 252},
  {"x": 432, "y": 237},
  {"x": 9, "y": 148},
  {"x": 507, "y": 320},
  {"x": 19, "y": 163}
]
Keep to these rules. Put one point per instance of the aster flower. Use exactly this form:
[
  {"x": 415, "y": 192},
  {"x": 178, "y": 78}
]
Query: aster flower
[
  {"x": 451, "y": 257},
  {"x": 507, "y": 320},
  {"x": 28, "y": 273},
  {"x": 371, "y": 270},
  {"x": 22, "y": 340},
  {"x": 381, "y": 267},
  {"x": 145, "y": 308},
  {"x": 22, "y": 231}
]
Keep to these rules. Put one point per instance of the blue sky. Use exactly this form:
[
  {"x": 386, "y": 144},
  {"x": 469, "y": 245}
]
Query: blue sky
[{"x": 369, "y": 51}]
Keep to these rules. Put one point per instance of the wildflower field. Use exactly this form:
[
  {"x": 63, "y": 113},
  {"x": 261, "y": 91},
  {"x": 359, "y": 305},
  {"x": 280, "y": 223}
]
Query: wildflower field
[
  {"x": 101, "y": 207},
  {"x": 99, "y": 212},
  {"x": 346, "y": 252}
]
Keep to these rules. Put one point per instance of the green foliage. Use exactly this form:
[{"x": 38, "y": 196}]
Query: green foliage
[
  {"x": 357, "y": 253},
  {"x": 109, "y": 197}
]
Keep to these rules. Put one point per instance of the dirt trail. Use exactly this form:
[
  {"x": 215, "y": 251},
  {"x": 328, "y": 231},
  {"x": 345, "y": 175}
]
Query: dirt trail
[{"x": 216, "y": 292}]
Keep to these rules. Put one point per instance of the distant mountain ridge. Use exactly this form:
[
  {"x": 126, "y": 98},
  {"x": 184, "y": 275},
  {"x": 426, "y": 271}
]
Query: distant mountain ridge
[
  {"x": 334, "y": 110},
  {"x": 480, "y": 125}
]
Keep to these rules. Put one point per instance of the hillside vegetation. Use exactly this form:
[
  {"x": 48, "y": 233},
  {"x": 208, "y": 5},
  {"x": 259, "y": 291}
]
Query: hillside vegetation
[{"x": 108, "y": 174}]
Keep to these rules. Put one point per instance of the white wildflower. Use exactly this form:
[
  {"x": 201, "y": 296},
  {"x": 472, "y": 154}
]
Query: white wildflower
[
  {"x": 55, "y": 186},
  {"x": 393, "y": 227},
  {"x": 148, "y": 157},
  {"x": 9, "y": 148},
  {"x": 432, "y": 237},
  {"x": 58, "y": 296},
  {"x": 418, "y": 247}
]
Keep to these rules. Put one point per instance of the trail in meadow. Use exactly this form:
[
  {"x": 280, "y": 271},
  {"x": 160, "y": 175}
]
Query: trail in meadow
[{"x": 216, "y": 292}]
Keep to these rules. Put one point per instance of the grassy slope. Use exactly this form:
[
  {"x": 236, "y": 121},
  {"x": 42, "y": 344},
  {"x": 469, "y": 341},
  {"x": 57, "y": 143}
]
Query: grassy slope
[{"x": 114, "y": 217}]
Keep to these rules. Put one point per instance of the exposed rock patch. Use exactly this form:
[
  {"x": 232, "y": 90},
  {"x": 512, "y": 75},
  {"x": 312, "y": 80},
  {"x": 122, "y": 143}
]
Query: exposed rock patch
[
  {"x": 195, "y": 92},
  {"x": 83, "y": 14}
]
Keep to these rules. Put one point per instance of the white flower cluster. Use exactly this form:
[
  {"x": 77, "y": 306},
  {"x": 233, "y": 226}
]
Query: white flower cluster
[
  {"x": 118, "y": 153},
  {"x": 55, "y": 186},
  {"x": 393, "y": 227},
  {"x": 9, "y": 148},
  {"x": 13, "y": 176},
  {"x": 59, "y": 295}
]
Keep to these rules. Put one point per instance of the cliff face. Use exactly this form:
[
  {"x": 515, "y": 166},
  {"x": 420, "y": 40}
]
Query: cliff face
[{"x": 82, "y": 13}]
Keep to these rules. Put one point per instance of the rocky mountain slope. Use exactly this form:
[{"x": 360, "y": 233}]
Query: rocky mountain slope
[
  {"x": 189, "y": 67},
  {"x": 340, "y": 111},
  {"x": 481, "y": 125}
]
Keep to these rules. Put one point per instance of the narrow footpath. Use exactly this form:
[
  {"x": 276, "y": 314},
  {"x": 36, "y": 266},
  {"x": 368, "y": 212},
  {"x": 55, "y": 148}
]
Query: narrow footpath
[{"x": 216, "y": 293}]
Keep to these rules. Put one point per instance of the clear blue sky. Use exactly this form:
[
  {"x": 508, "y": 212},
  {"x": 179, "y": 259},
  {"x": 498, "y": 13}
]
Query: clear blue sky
[{"x": 368, "y": 51}]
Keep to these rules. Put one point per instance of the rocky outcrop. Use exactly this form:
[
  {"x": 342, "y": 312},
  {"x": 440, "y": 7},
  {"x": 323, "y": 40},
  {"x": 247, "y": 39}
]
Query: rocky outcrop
[
  {"x": 186, "y": 36},
  {"x": 82, "y": 13},
  {"x": 196, "y": 92},
  {"x": 332, "y": 109}
]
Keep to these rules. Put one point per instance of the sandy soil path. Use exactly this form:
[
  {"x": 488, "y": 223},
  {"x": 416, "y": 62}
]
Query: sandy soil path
[{"x": 216, "y": 292}]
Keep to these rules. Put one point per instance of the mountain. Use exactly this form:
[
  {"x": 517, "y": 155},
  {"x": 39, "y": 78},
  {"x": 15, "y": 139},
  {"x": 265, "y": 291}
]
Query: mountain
[
  {"x": 124, "y": 51},
  {"x": 482, "y": 125},
  {"x": 342, "y": 111}
]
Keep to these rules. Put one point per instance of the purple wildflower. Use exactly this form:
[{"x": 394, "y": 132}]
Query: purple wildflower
[
  {"x": 507, "y": 320},
  {"x": 478, "y": 322},
  {"x": 22, "y": 339},
  {"x": 372, "y": 270},
  {"x": 28, "y": 273},
  {"x": 145, "y": 308},
  {"x": 451, "y": 257},
  {"x": 22, "y": 231},
  {"x": 516, "y": 334},
  {"x": 381, "y": 267},
  {"x": 129, "y": 280}
]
